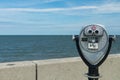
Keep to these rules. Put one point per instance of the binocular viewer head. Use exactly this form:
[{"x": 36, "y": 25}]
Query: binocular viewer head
[
  {"x": 93, "y": 39},
  {"x": 93, "y": 43}
]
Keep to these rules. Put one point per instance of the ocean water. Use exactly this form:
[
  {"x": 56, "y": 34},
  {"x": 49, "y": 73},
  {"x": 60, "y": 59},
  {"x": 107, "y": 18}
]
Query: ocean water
[{"x": 20, "y": 48}]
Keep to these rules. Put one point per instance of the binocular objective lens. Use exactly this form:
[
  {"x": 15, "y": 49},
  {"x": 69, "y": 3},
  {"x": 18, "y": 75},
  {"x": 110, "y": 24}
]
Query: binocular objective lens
[
  {"x": 90, "y": 31},
  {"x": 96, "y": 32}
]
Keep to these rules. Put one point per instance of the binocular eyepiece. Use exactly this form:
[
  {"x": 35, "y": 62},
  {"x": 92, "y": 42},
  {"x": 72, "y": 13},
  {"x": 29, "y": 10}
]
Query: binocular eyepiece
[{"x": 93, "y": 32}]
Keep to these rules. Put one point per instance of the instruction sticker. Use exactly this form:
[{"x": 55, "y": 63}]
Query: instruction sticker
[{"x": 93, "y": 46}]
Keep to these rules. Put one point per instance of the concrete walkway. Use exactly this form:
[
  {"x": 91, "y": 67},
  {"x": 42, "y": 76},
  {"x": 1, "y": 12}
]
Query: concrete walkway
[{"x": 58, "y": 69}]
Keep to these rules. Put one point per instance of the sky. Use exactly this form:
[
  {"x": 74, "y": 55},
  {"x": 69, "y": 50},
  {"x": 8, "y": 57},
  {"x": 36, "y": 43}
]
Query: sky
[{"x": 57, "y": 17}]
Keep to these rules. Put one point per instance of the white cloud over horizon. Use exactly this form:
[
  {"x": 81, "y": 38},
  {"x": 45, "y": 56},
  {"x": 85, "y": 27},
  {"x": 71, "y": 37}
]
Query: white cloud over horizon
[
  {"x": 105, "y": 8},
  {"x": 47, "y": 9}
]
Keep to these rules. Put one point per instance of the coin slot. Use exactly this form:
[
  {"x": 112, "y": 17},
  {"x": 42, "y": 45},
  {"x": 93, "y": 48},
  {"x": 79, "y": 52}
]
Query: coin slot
[{"x": 84, "y": 39}]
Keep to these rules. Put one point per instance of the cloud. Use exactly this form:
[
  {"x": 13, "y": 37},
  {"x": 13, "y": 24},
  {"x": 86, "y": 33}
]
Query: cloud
[
  {"x": 109, "y": 8},
  {"x": 48, "y": 9},
  {"x": 49, "y": 1},
  {"x": 105, "y": 8}
]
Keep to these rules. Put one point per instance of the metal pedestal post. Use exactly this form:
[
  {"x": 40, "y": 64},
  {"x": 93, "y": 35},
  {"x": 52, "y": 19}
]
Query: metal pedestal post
[{"x": 93, "y": 73}]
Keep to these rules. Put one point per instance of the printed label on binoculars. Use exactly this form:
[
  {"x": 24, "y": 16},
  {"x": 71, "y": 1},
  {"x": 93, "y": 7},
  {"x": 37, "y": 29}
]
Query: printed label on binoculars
[{"x": 93, "y": 46}]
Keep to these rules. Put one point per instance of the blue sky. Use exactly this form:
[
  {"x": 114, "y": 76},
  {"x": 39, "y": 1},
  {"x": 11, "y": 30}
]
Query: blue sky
[{"x": 57, "y": 17}]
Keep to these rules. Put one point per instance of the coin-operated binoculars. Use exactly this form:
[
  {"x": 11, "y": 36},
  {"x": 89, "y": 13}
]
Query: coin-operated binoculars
[{"x": 93, "y": 45}]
